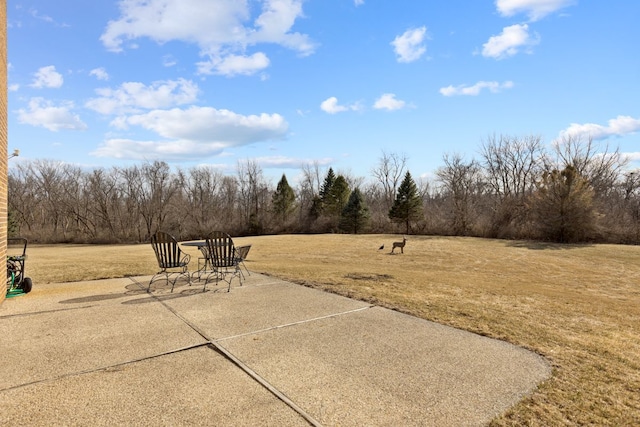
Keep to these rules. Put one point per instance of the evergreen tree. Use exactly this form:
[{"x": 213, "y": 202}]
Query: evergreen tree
[
  {"x": 323, "y": 199},
  {"x": 316, "y": 207},
  {"x": 337, "y": 197},
  {"x": 355, "y": 215},
  {"x": 408, "y": 206},
  {"x": 325, "y": 190},
  {"x": 283, "y": 199}
]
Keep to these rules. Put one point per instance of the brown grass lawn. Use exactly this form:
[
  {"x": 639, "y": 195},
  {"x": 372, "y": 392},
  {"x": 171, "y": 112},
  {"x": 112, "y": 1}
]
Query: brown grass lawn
[{"x": 578, "y": 306}]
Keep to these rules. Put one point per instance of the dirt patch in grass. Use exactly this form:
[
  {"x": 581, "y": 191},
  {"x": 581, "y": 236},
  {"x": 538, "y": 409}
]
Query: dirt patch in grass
[{"x": 371, "y": 277}]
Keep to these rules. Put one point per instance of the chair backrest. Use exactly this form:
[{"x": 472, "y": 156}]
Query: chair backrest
[
  {"x": 243, "y": 251},
  {"x": 221, "y": 249},
  {"x": 167, "y": 251}
]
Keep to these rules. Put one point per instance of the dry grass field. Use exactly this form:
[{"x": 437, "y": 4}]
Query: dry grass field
[{"x": 577, "y": 305}]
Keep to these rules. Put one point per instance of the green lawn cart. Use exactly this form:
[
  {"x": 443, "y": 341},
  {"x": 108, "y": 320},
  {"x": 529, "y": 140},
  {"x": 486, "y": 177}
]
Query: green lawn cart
[{"x": 17, "y": 282}]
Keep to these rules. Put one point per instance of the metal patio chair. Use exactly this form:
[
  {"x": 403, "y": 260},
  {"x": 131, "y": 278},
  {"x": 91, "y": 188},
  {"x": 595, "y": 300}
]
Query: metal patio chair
[
  {"x": 241, "y": 253},
  {"x": 223, "y": 259},
  {"x": 171, "y": 259}
]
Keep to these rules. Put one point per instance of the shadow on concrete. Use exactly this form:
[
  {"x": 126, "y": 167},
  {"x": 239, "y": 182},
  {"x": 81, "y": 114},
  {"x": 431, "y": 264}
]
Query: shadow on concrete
[{"x": 156, "y": 293}]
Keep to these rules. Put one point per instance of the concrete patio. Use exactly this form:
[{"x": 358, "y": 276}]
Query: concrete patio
[{"x": 269, "y": 352}]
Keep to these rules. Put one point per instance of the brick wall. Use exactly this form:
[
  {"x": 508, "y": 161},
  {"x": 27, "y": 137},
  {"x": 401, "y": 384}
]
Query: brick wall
[{"x": 3, "y": 141}]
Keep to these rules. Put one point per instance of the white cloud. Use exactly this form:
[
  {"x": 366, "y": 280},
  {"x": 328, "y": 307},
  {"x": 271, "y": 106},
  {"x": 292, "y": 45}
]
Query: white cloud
[
  {"x": 620, "y": 126},
  {"x": 632, "y": 157},
  {"x": 331, "y": 106},
  {"x": 193, "y": 133},
  {"x": 37, "y": 15},
  {"x": 535, "y": 9},
  {"x": 168, "y": 61},
  {"x": 14, "y": 87},
  {"x": 47, "y": 77},
  {"x": 358, "y": 2},
  {"x": 210, "y": 124},
  {"x": 219, "y": 27},
  {"x": 389, "y": 102},
  {"x": 235, "y": 64},
  {"x": 54, "y": 118},
  {"x": 167, "y": 150},
  {"x": 410, "y": 45},
  {"x": 132, "y": 96},
  {"x": 475, "y": 90},
  {"x": 99, "y": 73},
  {"x": 275, "y": 22},
  {"x": 283, "y": 162},
  {"x": 509, "y": 42}
]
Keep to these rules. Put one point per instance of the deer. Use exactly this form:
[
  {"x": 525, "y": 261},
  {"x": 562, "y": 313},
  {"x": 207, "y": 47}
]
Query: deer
[{"x": 399, "y": 245}]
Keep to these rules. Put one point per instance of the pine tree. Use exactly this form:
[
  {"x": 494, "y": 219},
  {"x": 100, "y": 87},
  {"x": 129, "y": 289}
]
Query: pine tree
[
  {"x": 323, "y": 199},
  {"x": 355, "y": 215},
  {"x": 325, "y": 190},
  {"x": 337, "y": 197},
  {"x": 408, "y": 205},
  {"x": 283, "y": 199}
]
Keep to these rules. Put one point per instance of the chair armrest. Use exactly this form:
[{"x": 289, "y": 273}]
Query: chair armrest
[{"x": 185, "y": 258}]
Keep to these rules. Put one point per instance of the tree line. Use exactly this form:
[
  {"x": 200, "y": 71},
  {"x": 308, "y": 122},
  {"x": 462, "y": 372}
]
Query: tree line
[{"x": 516, "y": 188}]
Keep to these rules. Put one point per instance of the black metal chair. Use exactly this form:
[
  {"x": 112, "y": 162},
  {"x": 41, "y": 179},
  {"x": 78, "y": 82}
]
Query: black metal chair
[
  {"x": 241, "y": 253},
  {"x": 171, "y": 259},
  {"x": 223, "y": 259},
  {"x": 204, "y": 262}
]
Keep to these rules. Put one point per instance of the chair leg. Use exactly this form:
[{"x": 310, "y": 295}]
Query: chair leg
[
  {"x": 221, "y": 275},
  {"x": 169, "y": 279},
  {"x": 245, "y": 267},
  {"x": 151, "y": 281},
  {"x": 206, "y": 280},
  {"x": 153, "y": 278}
]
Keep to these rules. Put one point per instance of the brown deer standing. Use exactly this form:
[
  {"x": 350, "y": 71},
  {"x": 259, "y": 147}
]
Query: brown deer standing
[{"x": 399, "y": 245}]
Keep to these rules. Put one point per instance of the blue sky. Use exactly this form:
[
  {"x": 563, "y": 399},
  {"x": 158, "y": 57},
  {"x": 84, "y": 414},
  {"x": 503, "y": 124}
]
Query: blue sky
[{"x": 338, "y": 82}]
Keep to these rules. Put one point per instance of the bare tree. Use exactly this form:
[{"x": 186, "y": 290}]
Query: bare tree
[
  {"x": 22, "y": 202},
  {"x": 49, "y": 193},
  {"x": 308, "y": 193},
  {"x": 150, "y": 189},
  {"x": 627, "y": 222},
  {"x": 595, "y": 162},
  {"x": 379, "y": 213},
  {"x": 229, "y": 204},
  {"x": 389, "y": 172},
  {"x": 599, "y": 165},
  {"x": 254, "y": 196},
  {"x": 462, "y": 185},
  {"x": 106, "y": 203},
  {"x": 511, "y": 165},
  {"x": 76, "y": 200},
  {"x": 162, "y": 188},
  {"x": 201, "y": 190}
]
